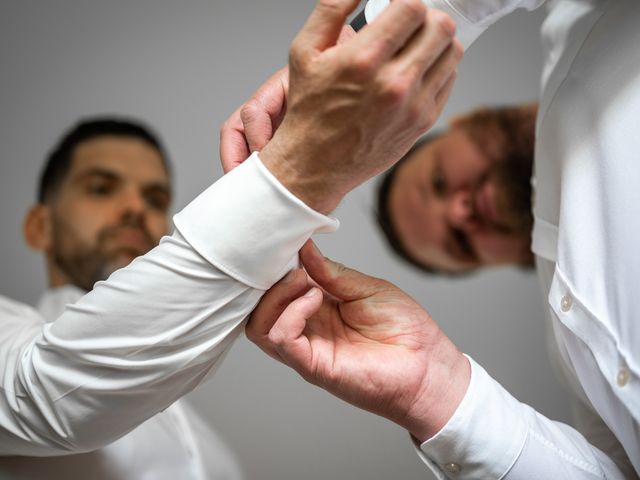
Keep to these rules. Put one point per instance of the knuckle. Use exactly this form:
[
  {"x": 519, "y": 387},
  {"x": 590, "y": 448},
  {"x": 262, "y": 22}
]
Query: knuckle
[
  {"x": 335, "y": 7},
  {"x": 248, "y": 110},
  {"x": 294, "y": 51},
  {"x": 415, "y": 7},
  {"x": 394, "y": 90},
  {"x": 363, "y": 64},
  {"x": 458, "y": 50},
  {"x": 299, "y": 60},
  {"x": 276, "y": 336},
  {"x": 446, "y": 26}
]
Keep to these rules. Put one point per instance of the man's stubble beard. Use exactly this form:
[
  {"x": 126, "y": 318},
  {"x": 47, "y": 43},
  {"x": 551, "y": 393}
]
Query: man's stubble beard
[{"x": 83, "y": 264}]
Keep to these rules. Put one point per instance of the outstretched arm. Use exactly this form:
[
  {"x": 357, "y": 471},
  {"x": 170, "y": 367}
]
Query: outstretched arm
[
  {"x": 156, "y": 329},
  {"x": 365, "y": 341}
]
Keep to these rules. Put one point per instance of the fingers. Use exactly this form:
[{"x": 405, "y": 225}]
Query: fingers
[
  {"x": 262, "y": 114},
  {"x": 233, "y": 146},
  {"x": 252, "y": 125},
  {"x": 432, "y": 105},
  {"x": 425, "y": 48},
  {"x": 323, "y": 27},
  {"x": 274, "y": 302},
  {"x": 389, "y": 32},
  {"x": 338, "y": 280},
  {"x": 287, "y": 336},
  {"x": 438, "y": 75},
  {"x": 443, "y": 94}
]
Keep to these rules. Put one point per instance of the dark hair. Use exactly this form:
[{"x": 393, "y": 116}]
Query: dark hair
[
  {"x": 383, "y": 213},
  {"x": 58, "y": 162}
]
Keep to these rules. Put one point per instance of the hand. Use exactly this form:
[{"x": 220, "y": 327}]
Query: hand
[
  {"x": 363, "y": 340},
  {"x": 252, "y": 125},
  {"x": 354, "y": 109}
]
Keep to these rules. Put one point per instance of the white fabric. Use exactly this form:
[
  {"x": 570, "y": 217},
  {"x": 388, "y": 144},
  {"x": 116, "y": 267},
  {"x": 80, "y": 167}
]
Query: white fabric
[
  {"x": 472, "y": 17},
  {"x": 587, "y": 211},
  {"x": 95, "y": 379},
  {"x": 174, "y": 443}
]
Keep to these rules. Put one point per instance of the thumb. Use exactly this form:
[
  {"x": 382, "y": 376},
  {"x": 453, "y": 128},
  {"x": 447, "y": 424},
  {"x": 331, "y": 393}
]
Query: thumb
[
  {"x": 324, "y": 25},
  {"x": 262, "y": 114},
  {"x": 340, "y": 281},
  {"x": 233, "y": 144}
]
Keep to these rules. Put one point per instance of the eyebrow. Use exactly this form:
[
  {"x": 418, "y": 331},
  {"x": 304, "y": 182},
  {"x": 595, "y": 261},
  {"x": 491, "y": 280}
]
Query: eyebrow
[
  {"x": 96, "y": 172},
  {"x": 113, "y": 176}
]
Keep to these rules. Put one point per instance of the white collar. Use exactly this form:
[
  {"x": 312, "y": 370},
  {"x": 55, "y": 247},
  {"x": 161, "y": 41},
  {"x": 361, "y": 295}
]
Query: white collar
[{"x": 54, "y": 300}]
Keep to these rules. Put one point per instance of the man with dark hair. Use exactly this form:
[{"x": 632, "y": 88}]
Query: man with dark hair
[
  {"x": 159, "y": 326},
  {"x": 103, "y": 200},
  {"x": 461, "y": 198}
]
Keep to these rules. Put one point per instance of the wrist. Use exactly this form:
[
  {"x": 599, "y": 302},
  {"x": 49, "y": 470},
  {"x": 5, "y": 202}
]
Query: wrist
[
  {"x": 293, "y": 166},
  {"x": 446, "y": 384}
]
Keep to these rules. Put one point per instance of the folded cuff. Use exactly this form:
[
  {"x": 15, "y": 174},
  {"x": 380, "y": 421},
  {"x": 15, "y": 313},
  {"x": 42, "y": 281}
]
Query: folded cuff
[{"x": 256, "y": 236}]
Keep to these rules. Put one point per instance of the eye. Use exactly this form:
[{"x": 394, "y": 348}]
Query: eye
[
  {"x": 157, "y": 201},
  {"x": 438, "y": 182},
  {"x": 99, "y": 187}
]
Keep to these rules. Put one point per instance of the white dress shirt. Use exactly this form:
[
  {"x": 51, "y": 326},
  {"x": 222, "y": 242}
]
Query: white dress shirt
[
  {"x": 104, "y": 377},
  {"x": 585, "y": 237},
  {"x": 175, "y": 443},
  {"x": 156, "y": 329}
]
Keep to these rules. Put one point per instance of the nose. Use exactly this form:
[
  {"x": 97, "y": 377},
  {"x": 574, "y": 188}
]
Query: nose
[
  {"x": 132, "y": 203},
  {"x": 460, "y": 210}
]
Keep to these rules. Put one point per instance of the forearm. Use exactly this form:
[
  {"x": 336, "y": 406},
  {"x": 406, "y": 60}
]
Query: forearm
[
  {"x": 155, "y": 329},
  {"x": 125, "y": 351}
]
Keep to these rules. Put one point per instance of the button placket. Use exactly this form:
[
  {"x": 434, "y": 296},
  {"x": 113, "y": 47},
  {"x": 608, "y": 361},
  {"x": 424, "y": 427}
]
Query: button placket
[
  {"x": 623, "y": 376},
  {"x": 566, "y": 303},
  {"x": 452, "y": 468}
]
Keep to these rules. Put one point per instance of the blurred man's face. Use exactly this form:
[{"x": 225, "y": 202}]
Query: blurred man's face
[
  {"x": 111, "y": 207},
  {"x": 454, "y": 209}
]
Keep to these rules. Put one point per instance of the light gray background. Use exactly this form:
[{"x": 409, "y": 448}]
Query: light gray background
[{"x": 184, "y": 67}]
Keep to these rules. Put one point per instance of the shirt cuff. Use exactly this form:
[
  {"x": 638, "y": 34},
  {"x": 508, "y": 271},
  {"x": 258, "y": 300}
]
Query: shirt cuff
[
  {"x": 466, "y": 30},
  {"x": 483, "y": 438},
  {"x": 250, "y": 226}
]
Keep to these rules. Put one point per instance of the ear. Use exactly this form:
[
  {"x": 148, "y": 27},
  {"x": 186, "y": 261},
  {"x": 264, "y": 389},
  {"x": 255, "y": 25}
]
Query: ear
[{"x": 36, "y": 227}]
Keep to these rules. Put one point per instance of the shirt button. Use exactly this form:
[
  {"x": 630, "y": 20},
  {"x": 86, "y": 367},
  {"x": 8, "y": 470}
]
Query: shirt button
[
  {"x": 453, "y": 468},
  {"x": 623, "y": 376},
  {"x": 566, "y": 303}
]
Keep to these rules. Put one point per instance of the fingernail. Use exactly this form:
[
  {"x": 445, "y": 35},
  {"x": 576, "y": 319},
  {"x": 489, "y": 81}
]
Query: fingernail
[{"x": 311, "y": 292}]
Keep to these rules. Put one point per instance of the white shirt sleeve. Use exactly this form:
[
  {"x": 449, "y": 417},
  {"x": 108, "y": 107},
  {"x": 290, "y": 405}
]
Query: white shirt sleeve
[
  {"x": 150, "y": 333},
  {"x": 494, "y": 436},
  {"x": 472, "y": 17}
]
